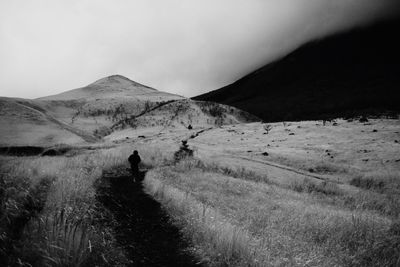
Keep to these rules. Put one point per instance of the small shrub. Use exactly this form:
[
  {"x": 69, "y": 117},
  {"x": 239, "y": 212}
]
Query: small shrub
[
  {"x": 102, "y": 131},
  {"x": 368, "y": 183},
  {"x": 216, "y": 111},
  {"x": 363, "y": 119},
  {"x": 326, "y": 167},
  {"x": 267, "y": 128},
  {"x": 183, "y": 152}
]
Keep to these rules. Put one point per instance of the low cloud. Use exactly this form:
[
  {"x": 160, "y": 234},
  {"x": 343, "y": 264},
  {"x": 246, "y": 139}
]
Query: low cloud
[{"x": 181, "y": 46}]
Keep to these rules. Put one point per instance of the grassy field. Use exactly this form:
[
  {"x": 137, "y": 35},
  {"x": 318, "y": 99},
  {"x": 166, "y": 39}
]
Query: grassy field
[
  {"x": 339, "y": 150},
  {"x": 233, "y": 215},
  {"x": 238, "y": 219}
]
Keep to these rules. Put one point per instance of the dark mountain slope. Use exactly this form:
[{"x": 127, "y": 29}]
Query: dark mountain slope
[{"x": 347, "y": 74}]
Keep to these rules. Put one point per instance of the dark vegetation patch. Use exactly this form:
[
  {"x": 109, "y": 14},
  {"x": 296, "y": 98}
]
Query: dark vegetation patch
[
  {"x": 21, "y": 203},
  {"x": 59, "y": 150},
  {"x": 123, "y": 119},
  {"x": 219, "y": 111},
  {"x": 308, "y": 186},
  {"x": 212, "y": 109},
  {"x": 327, "y": 168},
  {"x": 21, "y": 150},
  {"x": 363, "y": 119},
  {"x": 183, "y": 152},
  {"x": 56, "y": 151},
  {"x": 102, "y": 131},
  {"x": 368, "y": 183}
]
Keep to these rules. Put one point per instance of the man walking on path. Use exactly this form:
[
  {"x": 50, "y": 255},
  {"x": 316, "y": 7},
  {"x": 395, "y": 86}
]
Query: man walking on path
[{"x": 134, "y": 160}]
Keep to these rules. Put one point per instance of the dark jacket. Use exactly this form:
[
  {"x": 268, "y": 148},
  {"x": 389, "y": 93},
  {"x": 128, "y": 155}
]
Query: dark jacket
[{"x": 134, "y": 160}]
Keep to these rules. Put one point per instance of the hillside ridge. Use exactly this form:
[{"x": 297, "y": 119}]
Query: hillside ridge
[{"x": 112, "y": 106}]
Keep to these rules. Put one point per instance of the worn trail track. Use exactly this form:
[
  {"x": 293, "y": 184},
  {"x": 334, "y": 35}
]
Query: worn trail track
[{"x": 143, "y": 229}]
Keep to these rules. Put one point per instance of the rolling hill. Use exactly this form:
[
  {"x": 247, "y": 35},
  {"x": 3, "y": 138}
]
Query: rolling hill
[
  {"x": 106, "y": 106},
  {"x": 348, "y": 74},
  {"x": 20, "y": 124},
  {"x": 112, "y": 87},
  {"x": 98, "y": 106},
  {"x": 182, "y": 113}
]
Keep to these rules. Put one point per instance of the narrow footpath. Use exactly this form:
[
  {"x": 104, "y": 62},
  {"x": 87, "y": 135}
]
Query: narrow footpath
[{"x": 144, "y": 230}]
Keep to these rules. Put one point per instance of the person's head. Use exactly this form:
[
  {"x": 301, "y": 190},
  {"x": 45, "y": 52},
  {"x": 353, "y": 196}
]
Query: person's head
[{"x": 135, "y": 152}]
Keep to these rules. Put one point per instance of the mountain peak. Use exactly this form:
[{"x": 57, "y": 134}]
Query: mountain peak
[
  {"x": 109, "y": 87},
  {"x": 118, "y": 80}
]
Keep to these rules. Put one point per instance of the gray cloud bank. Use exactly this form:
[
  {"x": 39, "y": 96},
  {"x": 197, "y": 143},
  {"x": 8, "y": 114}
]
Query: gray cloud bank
[{"x": 186, "y": 47}]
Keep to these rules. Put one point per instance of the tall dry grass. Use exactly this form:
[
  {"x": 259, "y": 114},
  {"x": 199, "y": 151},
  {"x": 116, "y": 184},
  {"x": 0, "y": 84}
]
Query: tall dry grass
[
  {"x": 245, "y": 222},
  {"x": 377, "y": 192},
  {"x": 65, "y": 230},
  {"x": 233, "y": 216},
  {"x": 202, "y": 224}
]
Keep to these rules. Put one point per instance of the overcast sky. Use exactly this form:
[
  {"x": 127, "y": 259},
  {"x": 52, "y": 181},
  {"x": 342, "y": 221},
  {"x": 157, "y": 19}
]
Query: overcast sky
[{"x": 186, "y": 47}]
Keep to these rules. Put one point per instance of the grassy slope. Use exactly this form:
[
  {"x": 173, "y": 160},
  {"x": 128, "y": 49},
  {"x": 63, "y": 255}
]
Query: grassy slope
[
  {"x": 338, "y": 152},
  {"x": 240, "y": 222},
  {"x": 234, "y": 216},
  {"x": 22, "y": 125},
  {"x": 54, "y": 122},
  {"x": 343, "y": 75},
  {"x": 243, "y": 212}
]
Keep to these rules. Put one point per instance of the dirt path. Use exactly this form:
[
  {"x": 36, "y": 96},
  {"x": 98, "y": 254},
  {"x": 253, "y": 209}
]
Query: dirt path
[
  {"x": 287, "y": 168},
  {"x": 275, "y": 172},
  {"x": 144, "y": 229},
  {"x": 206, "y": 150}
]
